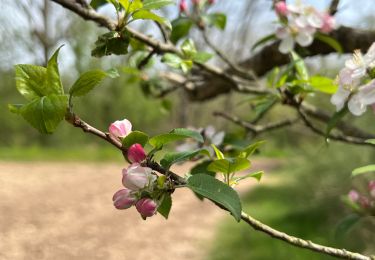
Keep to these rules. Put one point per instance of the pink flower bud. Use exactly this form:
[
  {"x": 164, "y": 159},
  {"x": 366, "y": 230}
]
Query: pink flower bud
[
  {"x": 123, "y": 199},
  {"x": 137, "y": 177},
  {"x": 329, "y": 23},
  {"x": 120, "y": 129},
  {"x": 183, "y": 6},
  {"x": 136, "y": 153},
  {"x": 364, "y": 202},
  {"x": 281, "y": 8},
  {"x": 371, "y": 187},
  {"x": 353, "y": 195},
  {"x": 211, "y": 2},
  {"x": 146, "y": 207}
]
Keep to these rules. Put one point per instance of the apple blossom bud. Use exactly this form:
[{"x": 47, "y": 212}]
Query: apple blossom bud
[
  {"x": 120, "y": 129},
  {"x": 353, "y": 195},
  {"x": 329, "y": 23},
  {"x": 183, "y": 6},
  {"x": 364, "y": 202},
  {"x": 123, "y": 199},
  {"x": 136, "y": 153},
  {"x": 371, "y": 187},
  {"x": 211, "y": 2},
  {"x": 146, "y": 207},
  {"x": 137, "y": 177},
  {"x": 281, "y": 8}
]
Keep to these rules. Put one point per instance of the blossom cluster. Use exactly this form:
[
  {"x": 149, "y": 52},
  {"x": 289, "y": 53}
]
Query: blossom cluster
[
  {"x": 299, "y": 23},
  {"x": 362, "y": 202},
  {"x": 136, "y": 179},
  {"x": 356, "y": 83}
]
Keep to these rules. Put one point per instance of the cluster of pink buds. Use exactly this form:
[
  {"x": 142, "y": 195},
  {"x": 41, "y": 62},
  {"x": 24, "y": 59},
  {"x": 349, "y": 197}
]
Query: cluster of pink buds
[
  {"x": 364, "y": 203},
  {"x": 299, "y": 24},
  {"x": 356, "y": 83},
  {"x": 184, "y": 8},
  {"x": 136, "y": 179}
]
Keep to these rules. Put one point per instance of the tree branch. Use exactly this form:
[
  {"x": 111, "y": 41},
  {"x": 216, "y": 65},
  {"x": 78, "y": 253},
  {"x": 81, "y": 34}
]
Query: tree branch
[{"x": 295, "y": 241}]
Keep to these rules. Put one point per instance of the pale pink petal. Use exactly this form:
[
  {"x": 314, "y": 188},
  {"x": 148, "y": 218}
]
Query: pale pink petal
[
  {"x": 366, "y": 93},
  {"x": 304, "y": 39},
  {"x": 355, "y": 105},
  {"x": 286, "y": 45},
  {"x": 340, "y": 97}
]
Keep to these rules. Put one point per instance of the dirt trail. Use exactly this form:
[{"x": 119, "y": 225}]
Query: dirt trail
[{"x": 64, "y": 211}]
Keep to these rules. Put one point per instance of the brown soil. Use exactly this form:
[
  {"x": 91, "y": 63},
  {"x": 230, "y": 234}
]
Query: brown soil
[{"x": 64, "y": 211}]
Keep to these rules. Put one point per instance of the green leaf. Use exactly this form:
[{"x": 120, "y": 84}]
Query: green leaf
[
  {"x": 111, "y": 43},
  {"x": 135, "y": 137},
  {"x": 270, "y": 37},
  {"x": 98, "y": 3},
  {"x": 45, "y": 113},
  {"x": 345, "y": 225},
  {"x": 202, "y": 57},
  {"x": 249, "y": 150},
  {"x": 257, "y": 175},
  {"x": 15, "y": 108},
  {"x": 186, "y": 66},
  {"x": 147, "y": 15},
  {"x": 125, "y": 4},
  {"x": 30, "y": 81},
  {"x": 300, "y": 66},
  {"x": 218, "y": 192},
  {"x": 219, "y": 154},
  {"x": 364, "y": 169},
  {"x": 370, "y": 141},
  {"x": 180, "y": 28},
  {"x": 219, "y": 20},
  {"x": 115, "y": 4},
  {"x": 53, "y": 75},
  {"x": 172, "y": 60},
  {"x": 175, "y": 135},
  {"x": 188, "y": 48},
  {"x": 171, "y": 158},
  {"x": 165, "y": 206},
  {"x": 229, "y": 165},
  {"x": 156, "y": 4},
  {"x": 135, "y": 6},
  {"x": 86, "y": 82},
  {"x": 323, "y": 84},
  {"x": 201, "y": 168},
  {"x": 329, "y": 41},
  {"x": 335, "y": 119}
]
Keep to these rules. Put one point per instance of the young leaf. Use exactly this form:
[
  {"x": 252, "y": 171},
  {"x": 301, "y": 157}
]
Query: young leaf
[
  {"x": 147, "y": 15},
  {"x": 98, "y": 3},
  {"x": 263, "y": 40},
  {"x": 45, "y": 113},
  {"x": 134, "y": 6},
  {"x": 175, "y": 135},
  {"x": 329, "y": 41},
  {"x": 202, "y": 57},
  {"x": 188, "y": 48},
  {"x": 300, "y": 66},
  {"x": 165, "y": 206},
  {"x": 111, "y": 43},
  {"x": 219, "y": 154},
  {"x": 323, "y": 84},
  {"x": 86, "y": 82},
  {"x": 125, "y": 4},
  {"x": 219, "y": 20},
  {"x": 30, "y": 81},
  {"x": 370, "y": 141},
  {"x": 171, "y": 158},
  {"x": 180, "y": 28},
  {"x": 364, "y": 169},
  {"x": 229, "y": 165},
  {"x": 172, "y": 60},
  {"x": 135, "y": 137},
  {"x": 156, "y": 4},
  {"x": 248, "y": 151},
  {"x": 218, "y": 192},
  {"x": 53, "y": 75},
  {"x": 257, "y": 175}
]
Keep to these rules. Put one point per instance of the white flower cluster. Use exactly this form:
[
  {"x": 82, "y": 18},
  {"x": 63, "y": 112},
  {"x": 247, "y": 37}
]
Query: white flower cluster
[
  {"x": 356, "y": 87},
  {"x": 299, "y": 23}
]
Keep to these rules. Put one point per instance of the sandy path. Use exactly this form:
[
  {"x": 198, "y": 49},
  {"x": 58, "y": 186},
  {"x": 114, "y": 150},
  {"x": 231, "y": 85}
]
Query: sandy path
[{"x": 64, "y": 211}]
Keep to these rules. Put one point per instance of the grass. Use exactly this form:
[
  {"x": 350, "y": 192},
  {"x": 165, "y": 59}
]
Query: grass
[{"x": 305, "y": 203}]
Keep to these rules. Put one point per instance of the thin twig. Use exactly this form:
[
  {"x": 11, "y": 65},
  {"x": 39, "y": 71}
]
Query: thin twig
[
  {"x": 333, "y": 8},
  {"x": 295, "y": 241}
]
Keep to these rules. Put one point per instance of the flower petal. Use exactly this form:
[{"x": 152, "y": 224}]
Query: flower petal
[
  {"x": 355, "y": 105},
  {"x": 286, "y": 45}
]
